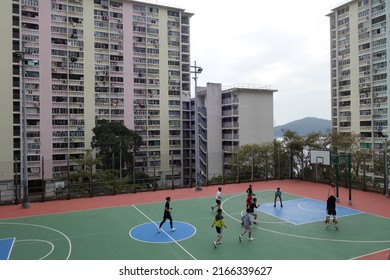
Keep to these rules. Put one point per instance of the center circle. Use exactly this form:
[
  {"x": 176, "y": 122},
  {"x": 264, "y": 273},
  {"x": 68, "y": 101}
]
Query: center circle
[{"x": 148, "y": 232}]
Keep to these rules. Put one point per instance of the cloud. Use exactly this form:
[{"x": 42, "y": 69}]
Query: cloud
[{"x": 284, "y": 44}]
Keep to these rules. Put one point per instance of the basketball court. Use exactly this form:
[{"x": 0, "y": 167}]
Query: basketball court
[{"x": 125, "y": 227}]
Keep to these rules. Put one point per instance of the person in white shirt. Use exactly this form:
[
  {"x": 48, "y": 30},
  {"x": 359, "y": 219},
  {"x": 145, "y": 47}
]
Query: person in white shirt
[{"x": 218, "y": 199}]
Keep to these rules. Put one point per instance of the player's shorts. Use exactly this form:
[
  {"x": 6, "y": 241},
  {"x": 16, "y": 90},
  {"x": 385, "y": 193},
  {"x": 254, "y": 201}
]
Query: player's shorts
[
  {"x": 219, "y": 230},
  {"x": 218, "y": 201},
  {"x": 247, "y": 227},
  {"x": 167, "y": 215},
  {"x": 331, "y": 212}
]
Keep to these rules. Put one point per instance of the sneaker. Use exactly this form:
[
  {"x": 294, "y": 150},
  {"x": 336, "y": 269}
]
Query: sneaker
[
  {"x": 173, "y": 229},
  {"x": 250, "y": 239},
  {"x": 158, "y": 229},
  {"x": 219, "y": 242},
  {"x": 327, "y": 226},
  {"x": 215, "y": 244},
  {"x": 274, "y": 205},
  {"x": 212, "y": 208},
  {"x": 336, "y": 226},
  {"x": 281, "y": 205},
  {"x": 240, "y": 237}
]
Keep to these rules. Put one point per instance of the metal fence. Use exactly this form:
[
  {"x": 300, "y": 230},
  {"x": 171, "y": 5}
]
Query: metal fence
[{"x": 265, "y": 167}]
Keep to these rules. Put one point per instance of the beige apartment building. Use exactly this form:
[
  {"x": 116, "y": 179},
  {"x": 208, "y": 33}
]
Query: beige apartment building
[{"x": 359, "y": 43}]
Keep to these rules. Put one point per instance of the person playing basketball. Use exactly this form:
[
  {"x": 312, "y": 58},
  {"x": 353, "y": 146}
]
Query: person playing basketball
[
  {"x": 278, "y": 194},
  {"x": 331, "y": 207},
  {"x": 167, "y": 215}
]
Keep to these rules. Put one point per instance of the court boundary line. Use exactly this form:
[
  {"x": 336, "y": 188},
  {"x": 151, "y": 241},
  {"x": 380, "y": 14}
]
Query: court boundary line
[
  {"x": 147, "y": 217},
  {"x": 373, "y": 253}
]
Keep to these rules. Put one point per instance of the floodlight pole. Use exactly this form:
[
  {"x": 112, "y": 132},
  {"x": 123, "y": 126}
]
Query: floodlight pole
[{"x": 197, "y": 70}]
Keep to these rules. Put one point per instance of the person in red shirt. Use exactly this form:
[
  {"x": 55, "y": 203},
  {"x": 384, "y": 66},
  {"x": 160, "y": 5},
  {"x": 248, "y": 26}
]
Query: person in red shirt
[{"x": 249, "y": 200}]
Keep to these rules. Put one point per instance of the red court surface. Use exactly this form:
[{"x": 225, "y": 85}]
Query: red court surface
[{"x": 368, "y": 202}]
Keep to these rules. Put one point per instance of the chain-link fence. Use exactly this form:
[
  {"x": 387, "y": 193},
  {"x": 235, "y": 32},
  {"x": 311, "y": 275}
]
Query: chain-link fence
[{"x": 75, "y": 181}]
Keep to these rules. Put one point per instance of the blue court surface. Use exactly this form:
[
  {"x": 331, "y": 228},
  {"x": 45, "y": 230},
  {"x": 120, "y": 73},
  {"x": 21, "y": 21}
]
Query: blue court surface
[
  {"x": 148, "y": 232},
  {"x": 5, "y": 247},
  {"x": 303, "y": 211}
]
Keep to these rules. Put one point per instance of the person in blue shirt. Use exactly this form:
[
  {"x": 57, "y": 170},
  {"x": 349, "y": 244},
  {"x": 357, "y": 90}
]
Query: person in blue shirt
[
  {"x": 278, "y": 194},
  {"x": 248, "y": 221}
]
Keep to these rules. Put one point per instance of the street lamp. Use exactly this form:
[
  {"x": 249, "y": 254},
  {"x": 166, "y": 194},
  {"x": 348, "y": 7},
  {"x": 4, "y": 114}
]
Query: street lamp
[
  {"x": 386, "y": 180},
  {"x": 25, "y": 203},
  {"x": 196, "y": 70}
]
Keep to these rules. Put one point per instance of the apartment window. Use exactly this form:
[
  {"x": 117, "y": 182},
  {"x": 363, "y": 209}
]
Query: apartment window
[
  {"x": 364, "y": 13},
  {"x": 139, "y": 18},
  {"x": 343, "y": 21},
  {"x": 153, "y": 10},
  {"x": 363, "y": 3},
  {"x": 61, "y": 30},
  {"x": 153, "y": 61},
  {"x": 60, "y": 7},
  {"x": 116, "y": 4},
  {"x": 174, "y": 113},
  {"x": 380, "y": 77},
  {"x": 379, "y": 19},
  {"x": 173, "y": 13},
  {"x": 174, "y": 102},
  {"x": 139, "y": 8},
  {"x": 139, "y": 29},
  {"x": 364, "y": 57},
  {"x": 153, "y": 51},
  {"x": 139, "y": 50},
  {"x": 139, "y": 81},
  {"x": 379, "y": 42},
  {"x": 379, "y": 8},
  {"x": 364, "y": 35},
  {"x": 173, "y": 63},
  {"x": 153, "y": 20},
  {"x": 117, "y": 112},
  {"x": 153, "y": 31},
  {"x": 364, "y": 46}
]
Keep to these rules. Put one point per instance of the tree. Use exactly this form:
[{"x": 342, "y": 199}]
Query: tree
[{"x": 115, "y": 141}]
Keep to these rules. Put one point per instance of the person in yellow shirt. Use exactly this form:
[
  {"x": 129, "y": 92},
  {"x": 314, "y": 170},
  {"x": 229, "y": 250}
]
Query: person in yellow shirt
[{"x": 219, "y": 224}]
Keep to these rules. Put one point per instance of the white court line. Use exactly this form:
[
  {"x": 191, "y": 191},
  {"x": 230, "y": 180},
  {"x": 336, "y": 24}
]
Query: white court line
[
  {"x": 301, "y": 236},
  {"x": 40, "y": 240},
  {"x": 170, "y": 237},
  {"x": 45, "y": 227}
]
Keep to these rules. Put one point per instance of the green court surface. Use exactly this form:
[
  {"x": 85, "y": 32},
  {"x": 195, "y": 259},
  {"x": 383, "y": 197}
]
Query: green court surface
[{"x": 294, "y": 232}]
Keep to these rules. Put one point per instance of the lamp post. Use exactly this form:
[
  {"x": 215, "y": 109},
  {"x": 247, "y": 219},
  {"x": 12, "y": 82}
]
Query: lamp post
[
  {"x": 386, "y": 180},
  {"x": 196, "y": 70},
  {"x": 25, "y": 203}
]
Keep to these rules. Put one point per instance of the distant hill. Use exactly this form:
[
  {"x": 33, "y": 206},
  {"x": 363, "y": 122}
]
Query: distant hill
[{"x": 304, "y": 126}]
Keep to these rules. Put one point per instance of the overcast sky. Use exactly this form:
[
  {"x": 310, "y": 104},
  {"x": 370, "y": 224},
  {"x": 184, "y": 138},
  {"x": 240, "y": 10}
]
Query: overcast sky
[{"x": 281, "y": 43}]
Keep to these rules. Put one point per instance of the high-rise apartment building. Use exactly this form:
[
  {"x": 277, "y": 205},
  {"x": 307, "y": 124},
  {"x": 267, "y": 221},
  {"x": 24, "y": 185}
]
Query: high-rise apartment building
[
  {"x": 360, "y": 42},
  {"x": 359, "y": 69},
  {"x": 69, "y": 64},
  {"x": 77, "y": 62},
  {"x": 228, "y": 119}
]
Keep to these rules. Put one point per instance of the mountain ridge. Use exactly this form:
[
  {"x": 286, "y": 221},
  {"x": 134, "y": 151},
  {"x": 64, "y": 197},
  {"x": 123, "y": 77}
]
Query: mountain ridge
[{"x": 304, "y": 126}]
